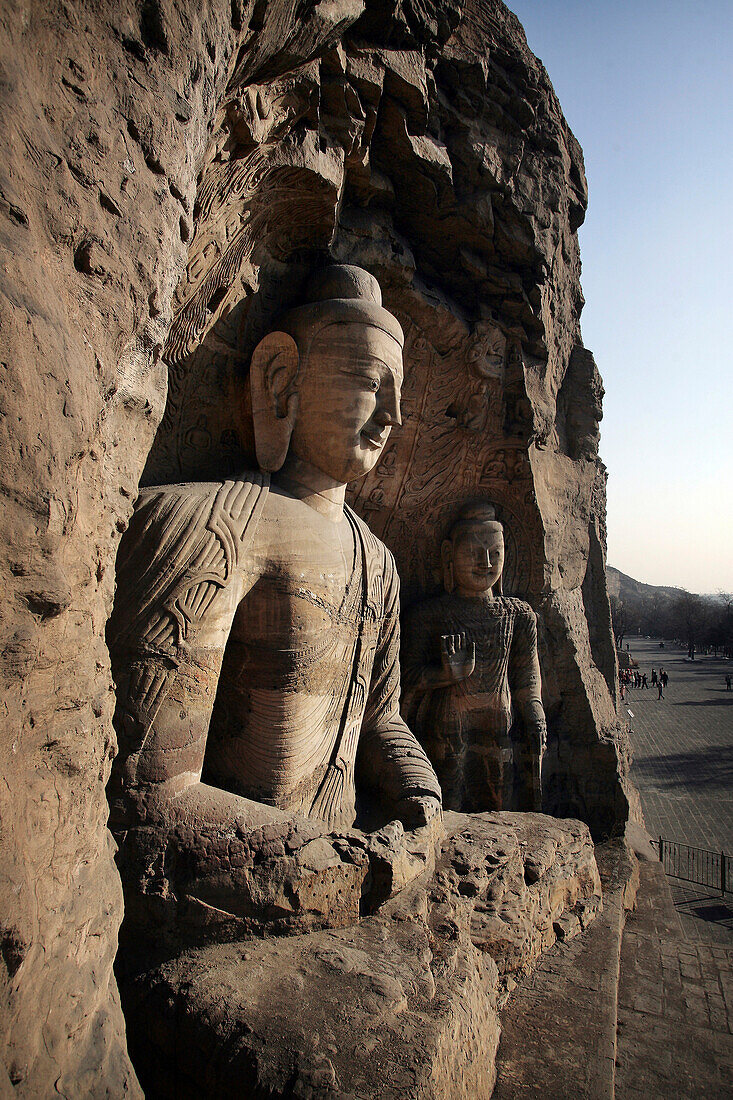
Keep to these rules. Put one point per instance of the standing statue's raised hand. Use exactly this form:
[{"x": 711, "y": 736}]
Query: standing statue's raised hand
[{"x": 458, "y": 656}]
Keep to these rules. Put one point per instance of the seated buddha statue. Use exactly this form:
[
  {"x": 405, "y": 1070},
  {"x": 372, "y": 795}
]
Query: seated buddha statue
[{"x": 255, "y": 634}]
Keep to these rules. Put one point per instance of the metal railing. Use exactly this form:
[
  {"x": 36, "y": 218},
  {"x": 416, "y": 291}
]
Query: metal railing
[{"x": 698, "y": 865}]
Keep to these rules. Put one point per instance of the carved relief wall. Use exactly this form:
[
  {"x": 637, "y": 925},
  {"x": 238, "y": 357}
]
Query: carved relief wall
[{"x": 452, "y": 448}]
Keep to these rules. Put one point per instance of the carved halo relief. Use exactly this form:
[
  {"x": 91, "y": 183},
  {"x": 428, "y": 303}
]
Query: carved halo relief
[
  {"x": 451, "y": 449},
  {"x": 254, "y": 188}
]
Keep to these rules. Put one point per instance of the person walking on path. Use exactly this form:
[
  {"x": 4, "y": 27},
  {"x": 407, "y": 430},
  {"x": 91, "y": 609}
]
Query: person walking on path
[
  {"x": 644, "y": 684},
  {"x": 665, "y": 678},
  {"x": 659, "y": 689},
  {"x": 728, "y": 686},
  {"x": 654, "y": 676}
]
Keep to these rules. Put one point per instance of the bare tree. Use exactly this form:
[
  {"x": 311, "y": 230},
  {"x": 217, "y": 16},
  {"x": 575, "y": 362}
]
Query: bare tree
[
  {"x": 689, "y": 619},
  {"x": 722, "y": 632},
  {"x": 619, "y": 620}
]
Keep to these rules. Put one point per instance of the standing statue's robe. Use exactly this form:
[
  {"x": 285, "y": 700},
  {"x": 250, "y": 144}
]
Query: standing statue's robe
[{"x": 290, "y": 722}]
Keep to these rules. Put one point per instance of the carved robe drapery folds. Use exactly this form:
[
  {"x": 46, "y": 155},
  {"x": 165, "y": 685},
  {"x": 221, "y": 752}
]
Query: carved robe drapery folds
[{"x": 186, "y": 574}]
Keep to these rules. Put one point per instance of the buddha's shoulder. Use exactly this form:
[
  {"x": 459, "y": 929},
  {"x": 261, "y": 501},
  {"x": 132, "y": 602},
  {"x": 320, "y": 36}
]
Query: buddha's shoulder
[
  {"x": 230, "y": 494},
  {"x": 169, "y": 517},
  {"x": 516, "y": 608},
  {"x": 183, "y": 540}
]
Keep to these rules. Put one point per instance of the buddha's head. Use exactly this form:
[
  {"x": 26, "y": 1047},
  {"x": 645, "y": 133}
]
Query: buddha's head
[
  {"x": 473, "y": 553},
  {"x": 326, "y": 384}
]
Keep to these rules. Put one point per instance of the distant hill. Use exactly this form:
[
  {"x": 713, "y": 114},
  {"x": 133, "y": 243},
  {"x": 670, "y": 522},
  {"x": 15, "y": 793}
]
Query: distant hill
[
  {"x": 626, "y": 588},
  {"x": 661, "y": 611}
]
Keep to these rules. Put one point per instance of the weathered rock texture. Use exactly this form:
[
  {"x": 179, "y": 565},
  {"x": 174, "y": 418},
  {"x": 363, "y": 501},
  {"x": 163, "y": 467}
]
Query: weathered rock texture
[
  {"x": 404, "y": 1004},
  {"x": 167, "y": 163}
]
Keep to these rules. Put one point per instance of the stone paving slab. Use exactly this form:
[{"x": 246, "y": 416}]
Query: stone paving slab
[
  {"x": 706, "y": 917},
  {"x": 675, "y": 1005}
]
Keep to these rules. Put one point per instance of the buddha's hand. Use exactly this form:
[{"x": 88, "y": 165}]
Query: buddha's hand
[
  {"x": 418, "y": 810},
  {"x": 458, "y": 656}
]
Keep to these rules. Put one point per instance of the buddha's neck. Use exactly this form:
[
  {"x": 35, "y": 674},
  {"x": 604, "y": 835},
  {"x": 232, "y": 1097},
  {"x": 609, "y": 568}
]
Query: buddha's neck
[
  {"x": 478, "y": 597},
  {"x": 313, "y": 487}
]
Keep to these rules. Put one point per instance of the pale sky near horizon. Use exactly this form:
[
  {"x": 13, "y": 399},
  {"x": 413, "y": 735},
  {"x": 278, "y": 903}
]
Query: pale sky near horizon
[{"x": 646, "y": 88}]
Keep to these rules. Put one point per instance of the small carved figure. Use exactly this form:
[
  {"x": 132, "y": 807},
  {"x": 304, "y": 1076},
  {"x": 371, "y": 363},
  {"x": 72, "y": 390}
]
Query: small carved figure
[
  {"x": 255, "y": 636},
  {"x": 472, "y": 676}
]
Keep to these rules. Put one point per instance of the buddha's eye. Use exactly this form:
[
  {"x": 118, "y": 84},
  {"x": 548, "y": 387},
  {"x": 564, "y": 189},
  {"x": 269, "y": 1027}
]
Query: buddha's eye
[{"x": 368, "y": 380}]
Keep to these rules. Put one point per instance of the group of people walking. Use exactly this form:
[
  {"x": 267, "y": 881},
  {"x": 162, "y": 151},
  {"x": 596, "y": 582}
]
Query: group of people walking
[{"x": 632, "y": 677}]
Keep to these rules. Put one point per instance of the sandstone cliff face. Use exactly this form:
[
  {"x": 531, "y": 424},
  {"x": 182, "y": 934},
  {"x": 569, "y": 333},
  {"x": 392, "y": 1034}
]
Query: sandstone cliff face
[{"x": 171, "y": 173}]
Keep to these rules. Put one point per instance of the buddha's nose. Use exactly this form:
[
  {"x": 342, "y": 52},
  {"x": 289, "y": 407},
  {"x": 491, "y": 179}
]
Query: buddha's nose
[{"x": 388, "y": 409}]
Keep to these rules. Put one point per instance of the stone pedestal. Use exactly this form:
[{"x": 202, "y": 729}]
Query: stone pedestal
[{"x": 403, "y": 1003}]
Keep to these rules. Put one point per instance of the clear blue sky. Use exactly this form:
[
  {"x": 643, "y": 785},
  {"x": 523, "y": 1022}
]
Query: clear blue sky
[{"x": 646, "y": 88}]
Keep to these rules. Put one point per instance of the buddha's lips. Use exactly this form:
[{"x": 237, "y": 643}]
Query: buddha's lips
[{"x": 375, "y": 440}]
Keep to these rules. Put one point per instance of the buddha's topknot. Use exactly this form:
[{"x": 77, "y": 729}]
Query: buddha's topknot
[
  {"x": 339, "y": 281},
  {"x": 338, "y": 295}
]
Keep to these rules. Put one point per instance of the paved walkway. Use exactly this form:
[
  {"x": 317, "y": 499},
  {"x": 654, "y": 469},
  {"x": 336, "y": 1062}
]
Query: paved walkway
[
  {"x": 683, "y": 770},
  {"x": 683, "y": 748},
  {"x": 675, "y": 1005}
]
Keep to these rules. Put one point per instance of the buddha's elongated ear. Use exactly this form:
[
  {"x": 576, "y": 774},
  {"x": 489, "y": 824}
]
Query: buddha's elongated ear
[
  {"x": 273, "y": 379},
  {"x": 446, "y": 557},
  {"x": 498, "y": 588}
]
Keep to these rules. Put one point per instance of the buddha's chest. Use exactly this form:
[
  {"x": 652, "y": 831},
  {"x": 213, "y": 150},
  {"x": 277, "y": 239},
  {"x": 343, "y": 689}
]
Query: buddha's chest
[
  {"x": 307, "y": 582},
  {"x": 491, "y": 633}
]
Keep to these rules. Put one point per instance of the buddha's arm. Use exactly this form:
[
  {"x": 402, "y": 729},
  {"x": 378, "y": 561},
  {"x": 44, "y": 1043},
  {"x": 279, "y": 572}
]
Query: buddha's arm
[
  {"x": 525, "y": 682},
  {"x": 162, "y": 719},
  {"x": 180, "y": 578},
  {"x": 391, "y": 760}
]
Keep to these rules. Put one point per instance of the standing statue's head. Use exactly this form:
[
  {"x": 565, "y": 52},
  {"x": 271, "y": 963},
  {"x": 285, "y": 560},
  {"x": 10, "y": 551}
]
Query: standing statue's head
[
  {"x": 326, "y": 384},
  {"x": 473, "y": 554}
]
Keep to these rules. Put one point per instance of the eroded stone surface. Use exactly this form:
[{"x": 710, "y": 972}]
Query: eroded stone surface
[
  {"x": 559, "y": 1026},
  {"x": 286, "y": 875},
  {"x": 404, "y": 1004},
  {"x": 108, "y": 110}
]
